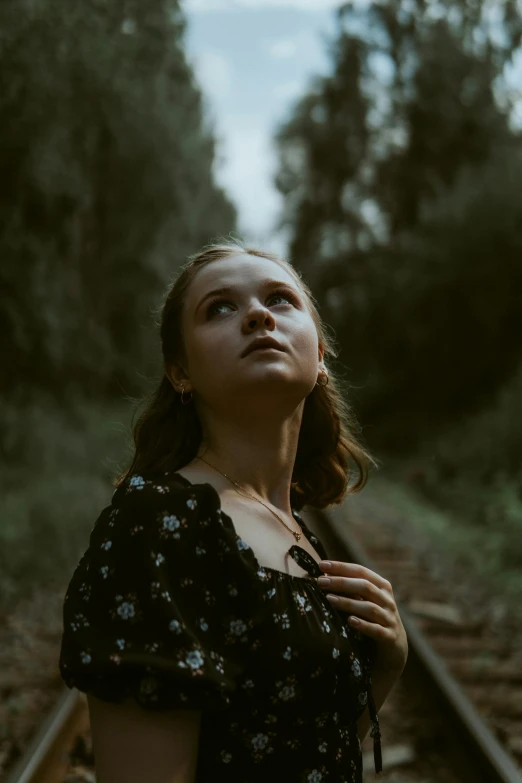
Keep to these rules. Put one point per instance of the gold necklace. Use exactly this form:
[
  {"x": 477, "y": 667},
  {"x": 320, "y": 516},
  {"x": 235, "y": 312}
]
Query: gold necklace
[{"x": 297, "y": 535}]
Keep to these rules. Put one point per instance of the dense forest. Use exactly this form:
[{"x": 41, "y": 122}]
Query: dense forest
[
  {"x": 401, "y": 173},
  {"x": 106, "y": 172},
  {"x": 106, "y": 186}
]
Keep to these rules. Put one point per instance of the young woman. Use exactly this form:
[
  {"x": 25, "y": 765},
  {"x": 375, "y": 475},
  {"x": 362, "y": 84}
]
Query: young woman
[{"x": 194, "y": 621}]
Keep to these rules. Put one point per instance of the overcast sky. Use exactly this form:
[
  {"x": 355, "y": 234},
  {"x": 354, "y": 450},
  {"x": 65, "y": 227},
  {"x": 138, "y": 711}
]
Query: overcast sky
[{"x": 252, "y": 58}]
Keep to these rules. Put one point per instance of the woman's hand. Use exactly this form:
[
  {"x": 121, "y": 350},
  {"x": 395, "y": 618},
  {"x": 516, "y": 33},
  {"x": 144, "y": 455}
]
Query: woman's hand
[{"x": 369, "y": 599}]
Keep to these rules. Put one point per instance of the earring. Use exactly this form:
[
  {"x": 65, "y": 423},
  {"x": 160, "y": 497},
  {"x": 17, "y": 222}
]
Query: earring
[
  {"x": 185, "y": 402},
  {"x": 323, "y": 375}
]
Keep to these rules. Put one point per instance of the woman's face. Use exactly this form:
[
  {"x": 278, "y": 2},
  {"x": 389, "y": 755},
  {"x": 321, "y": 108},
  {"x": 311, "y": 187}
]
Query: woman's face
[{"x": 263, "y": 299}]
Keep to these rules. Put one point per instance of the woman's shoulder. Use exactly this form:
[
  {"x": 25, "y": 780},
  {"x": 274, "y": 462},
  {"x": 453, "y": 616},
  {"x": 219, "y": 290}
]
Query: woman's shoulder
[
  {"x": 151, "y": 483},
  {"x": 152, "y": 505},
  {"x": 167, "y": 488},
  {"x": 157, "y": 598},
  {"x": 157, "y": 524}
]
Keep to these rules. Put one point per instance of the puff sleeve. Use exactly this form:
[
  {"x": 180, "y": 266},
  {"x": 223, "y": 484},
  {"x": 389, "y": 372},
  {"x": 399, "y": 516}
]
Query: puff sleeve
[{"x": 156, "y": 609}]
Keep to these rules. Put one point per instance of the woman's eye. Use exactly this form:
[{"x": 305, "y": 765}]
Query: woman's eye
[
  {"x": 283, "y": 295},
  {"x": 276, "y": 295},
  {"x": 213, "y": 305}
]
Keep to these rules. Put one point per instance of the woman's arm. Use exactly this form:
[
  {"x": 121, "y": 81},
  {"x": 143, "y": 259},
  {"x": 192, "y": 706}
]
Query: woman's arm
[{"x": 135, "y": 745}]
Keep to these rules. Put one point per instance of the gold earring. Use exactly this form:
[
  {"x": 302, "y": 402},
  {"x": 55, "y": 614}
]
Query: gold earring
[
  {"x": 323, "y": 375},
  {"x": 183, "y": 401}
]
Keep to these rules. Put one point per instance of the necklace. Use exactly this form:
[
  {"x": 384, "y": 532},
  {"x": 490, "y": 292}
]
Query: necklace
[{"x": 297, "y": 535}]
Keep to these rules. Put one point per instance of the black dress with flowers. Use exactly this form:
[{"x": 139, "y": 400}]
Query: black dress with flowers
[{"x": 169, "y": 606}]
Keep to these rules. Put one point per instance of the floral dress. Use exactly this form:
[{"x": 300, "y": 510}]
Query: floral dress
[{"x": 169, "y": 606}]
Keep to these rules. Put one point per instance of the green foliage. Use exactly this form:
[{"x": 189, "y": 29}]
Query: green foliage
[
  {"x": 107, "y": 186},
  {"x": 475, "y": 466},
  {"x": 491, "y": 553},
  {"x": 401, "y": 176},
  {"x": 56, "y": 478},
  {"x": 437, "y": 332}
]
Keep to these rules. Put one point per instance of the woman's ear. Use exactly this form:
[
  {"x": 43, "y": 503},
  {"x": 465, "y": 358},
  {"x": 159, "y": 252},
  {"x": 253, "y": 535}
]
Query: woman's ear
[{"x": 177, "y": 377}]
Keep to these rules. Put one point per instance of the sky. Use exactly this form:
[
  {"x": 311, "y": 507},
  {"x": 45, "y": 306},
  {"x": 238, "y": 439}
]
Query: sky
[{"x": 252, "y": 59}]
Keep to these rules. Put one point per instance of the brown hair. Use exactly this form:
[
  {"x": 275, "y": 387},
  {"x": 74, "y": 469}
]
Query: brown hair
[{"x": 167, "y": 434}]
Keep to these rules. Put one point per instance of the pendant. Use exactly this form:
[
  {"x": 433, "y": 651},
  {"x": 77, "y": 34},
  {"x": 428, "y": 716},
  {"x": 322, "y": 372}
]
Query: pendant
[{"x": 297, "y": 536}]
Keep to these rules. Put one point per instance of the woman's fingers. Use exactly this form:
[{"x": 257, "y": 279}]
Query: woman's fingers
[
  {"x": 354, "y": 570},
  {"x": 368, "y": 598},
  {"x": 364, "y": 609},
  {"x": 357, "y": 588}
]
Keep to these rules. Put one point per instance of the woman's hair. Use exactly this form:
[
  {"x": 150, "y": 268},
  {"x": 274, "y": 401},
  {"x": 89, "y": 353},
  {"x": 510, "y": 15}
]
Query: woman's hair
[{"x": 167, "y": 434}]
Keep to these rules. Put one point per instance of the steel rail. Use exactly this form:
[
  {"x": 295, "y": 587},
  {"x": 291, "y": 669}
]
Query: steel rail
[
  {"x": 494, "y": 762},
  {"x": 45, "y": 746}
]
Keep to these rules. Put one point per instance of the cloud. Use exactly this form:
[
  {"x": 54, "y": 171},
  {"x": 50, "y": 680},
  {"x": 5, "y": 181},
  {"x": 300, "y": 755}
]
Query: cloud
[
  {"x": 214, "y": 73},
  {"x": 288, "y": 91},
  {"x": 282, "y": 49},
  {"x": 304, "y": 44}
]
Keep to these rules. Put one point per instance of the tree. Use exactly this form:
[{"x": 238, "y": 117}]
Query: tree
[
  {"x": 107, "y": 185},
  {"x": 401, "y": 173}
]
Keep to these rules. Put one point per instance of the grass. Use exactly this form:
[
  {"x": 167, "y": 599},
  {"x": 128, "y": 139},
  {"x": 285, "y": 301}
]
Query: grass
[
  {"x": 490, "y": 549},
  {"x": 55, "y": 481}
]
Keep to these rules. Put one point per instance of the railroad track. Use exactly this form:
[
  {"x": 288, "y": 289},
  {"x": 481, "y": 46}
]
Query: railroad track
[
  {"x": 480, "y": 697},
  {"x": 47, "y": 757},
  {"x": 470, "y": 673}
]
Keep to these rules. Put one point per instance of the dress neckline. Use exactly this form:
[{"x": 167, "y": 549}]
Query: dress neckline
[{"x": 230, "y": 524}]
